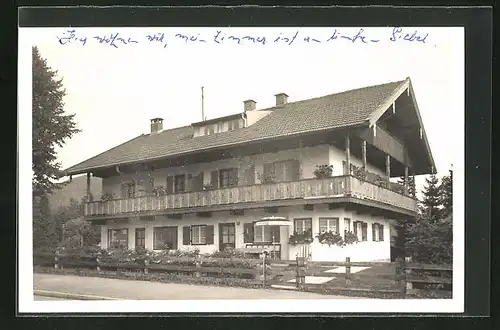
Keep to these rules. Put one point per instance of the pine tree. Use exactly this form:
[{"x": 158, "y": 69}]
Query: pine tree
[
  {"x": 51, "y": 126},
  {"x": 446, "y": 189},
  {"x": 429, "y": 238},
  {"x": 431, "y": 200}
]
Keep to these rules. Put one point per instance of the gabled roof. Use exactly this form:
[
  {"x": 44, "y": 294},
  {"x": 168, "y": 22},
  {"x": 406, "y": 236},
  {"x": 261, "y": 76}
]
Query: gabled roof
[{"x": 345, "y": 109}]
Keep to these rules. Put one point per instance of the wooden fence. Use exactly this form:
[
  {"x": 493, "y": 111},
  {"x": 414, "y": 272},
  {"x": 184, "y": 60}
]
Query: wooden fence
[
  {"x": 411, "y": 279},
  {"x": 99, "y": 263}
]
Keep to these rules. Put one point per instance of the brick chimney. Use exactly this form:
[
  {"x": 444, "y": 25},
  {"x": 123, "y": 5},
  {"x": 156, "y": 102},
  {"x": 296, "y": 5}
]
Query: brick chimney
[
  {"x": 249, "y": 105},
  {"x": 281, "y": 99},
  {"x": 156, "y": 125}
]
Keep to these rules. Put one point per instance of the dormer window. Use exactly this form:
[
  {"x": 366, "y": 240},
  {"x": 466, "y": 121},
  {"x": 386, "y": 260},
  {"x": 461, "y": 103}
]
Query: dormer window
[
  {"x": 234, "y": 124},
  {"x": 209, "y": 130}
]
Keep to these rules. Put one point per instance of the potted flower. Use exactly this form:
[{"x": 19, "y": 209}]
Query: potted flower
[
  {"x": 159, "y": 191},
  {"x": 304, "y": 237},
  {"x": 107, "y": 197},
  {"x": 323, "y": 171}
]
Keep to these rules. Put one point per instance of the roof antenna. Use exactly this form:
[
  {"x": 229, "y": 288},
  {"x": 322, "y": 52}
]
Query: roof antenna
[{"x": 202, "y": 106}]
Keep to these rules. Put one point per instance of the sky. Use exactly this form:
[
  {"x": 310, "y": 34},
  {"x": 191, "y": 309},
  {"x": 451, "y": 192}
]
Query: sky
[{"x": 114, "y": 92}]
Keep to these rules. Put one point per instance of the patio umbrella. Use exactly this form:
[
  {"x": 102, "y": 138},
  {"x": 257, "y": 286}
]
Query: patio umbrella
[{"x": 273, "y": 221}]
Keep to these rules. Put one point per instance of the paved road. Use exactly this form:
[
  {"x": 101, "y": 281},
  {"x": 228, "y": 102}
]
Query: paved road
[
  {"x": 46, "y": 298},
  {"x": 141, "y": 290}
]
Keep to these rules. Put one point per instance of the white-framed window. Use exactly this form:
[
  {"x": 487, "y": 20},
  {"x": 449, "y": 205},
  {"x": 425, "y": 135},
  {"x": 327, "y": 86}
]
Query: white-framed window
[
  {"x": 329, "y": 224},
  {"x": 220, "y": 127},
  {"x": 198, "y": 236},
  {"x": 359, "y": 230},
  {"x": 209, "y": 130},
  {"x": 267, "y": 234},
  {"x": 165, "y": 238},
  {"x": 234, "y": 124},
  {"x": 302, "y": 225},
  {"x": 375, "y": 232},
  {"x": 347, "y": 224},
  {"x": 118, "y": 238}
]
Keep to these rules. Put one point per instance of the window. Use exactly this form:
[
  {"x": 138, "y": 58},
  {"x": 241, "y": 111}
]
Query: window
[
  {"x": 248, "y": 233},
  {"x": 128, "y": 190},
  {"x": 165, "y": 238},
  {"x": 228, "y": 178},
  {"x": 380, "y": 233},
  {"x": 287, "y": 170},
  {"x": 198, "y": 235},
  {"x": 375, "y": 232},
  {"x": 347, "y": 225},
  {"x": 303, "y": 225},
  {"x": 118, "y": 238},
  {"x": 267, "y": 234},
  {"x": 329, "y": 224},
  {"x": 361, "y": 230},
  {"x": 220, "y": 127},
  {"x": 227, "y": 234},
  {"x": 209, "y": 130},
  {"x": 180, "y": 183},
  {"x": 140, "y": 237},
  {"x": 234, "y": 124}
]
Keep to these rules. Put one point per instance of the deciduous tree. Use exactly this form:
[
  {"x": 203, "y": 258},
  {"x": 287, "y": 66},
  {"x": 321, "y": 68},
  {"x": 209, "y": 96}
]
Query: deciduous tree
[{"x": 51, "y": 126}]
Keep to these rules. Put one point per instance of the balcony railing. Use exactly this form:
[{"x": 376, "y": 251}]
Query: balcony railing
[{"x": 305, "y": 189}]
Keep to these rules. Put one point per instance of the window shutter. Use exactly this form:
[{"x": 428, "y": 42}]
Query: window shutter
[
  {"x": 250, "y": 175},
  {"x": 373, "y": 231},
  {"x": 209, "y": 234},
  {"x": 170, "y": 184},
  {"x": 268, "y": 171},
  {"x": 248, "y": 233},
  {"x": 186, "y": 235},
  {"x": 355, "y": 228},
  {"x": 233, "y": 178},
  {"x": 364, "y": 231},
  {"x": 189, "y": 183},
  {"x": 214, "y": 179},
  {"x": 381, "y": 232}
]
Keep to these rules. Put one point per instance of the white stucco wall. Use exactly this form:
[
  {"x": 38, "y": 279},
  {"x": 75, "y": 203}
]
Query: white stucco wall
[
  {"x": 337, "y": 155},
  {"x": 308, "y": 158},
  {"x": 362, "y": 251}
]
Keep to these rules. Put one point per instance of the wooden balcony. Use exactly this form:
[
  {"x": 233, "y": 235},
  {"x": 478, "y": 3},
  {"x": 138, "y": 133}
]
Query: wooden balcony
[{"x": 309, "y": 189}]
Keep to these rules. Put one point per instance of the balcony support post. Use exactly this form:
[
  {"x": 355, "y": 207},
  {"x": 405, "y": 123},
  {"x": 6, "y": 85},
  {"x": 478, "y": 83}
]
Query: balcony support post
[
  {"x": 89, "y": 193},
  {"x": 388, "y": 167},
  {"x": 363, "y": 149},
  {"x": 413, "y": 185},
  {"x": 406, "y": 180},
  {"x": 348, "y": 154}
]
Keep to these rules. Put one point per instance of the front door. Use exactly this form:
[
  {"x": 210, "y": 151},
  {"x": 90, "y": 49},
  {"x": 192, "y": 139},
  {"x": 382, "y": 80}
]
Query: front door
[{"x": 226, "y": 236}]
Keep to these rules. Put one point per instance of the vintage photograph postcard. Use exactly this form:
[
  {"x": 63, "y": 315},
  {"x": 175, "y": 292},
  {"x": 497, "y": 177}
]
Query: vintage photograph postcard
[{"x": 241, "y": 169}]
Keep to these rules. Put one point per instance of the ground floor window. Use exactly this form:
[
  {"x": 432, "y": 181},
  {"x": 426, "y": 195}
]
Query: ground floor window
[
  {"x": 347, "y": 225},
  {"x": 378, "y": 232},
  {"x": 329, "y": 224},
  {"x": 303, "y": 225},
  {"x": 165, "y": 238},
  {"x": 118, "y": 238},
  {"x": 198, "y": 235},
  {"x": 140, "y": 238},
  {"x": 267, "y": 234},
  {"x": 361, "y": 230}
]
